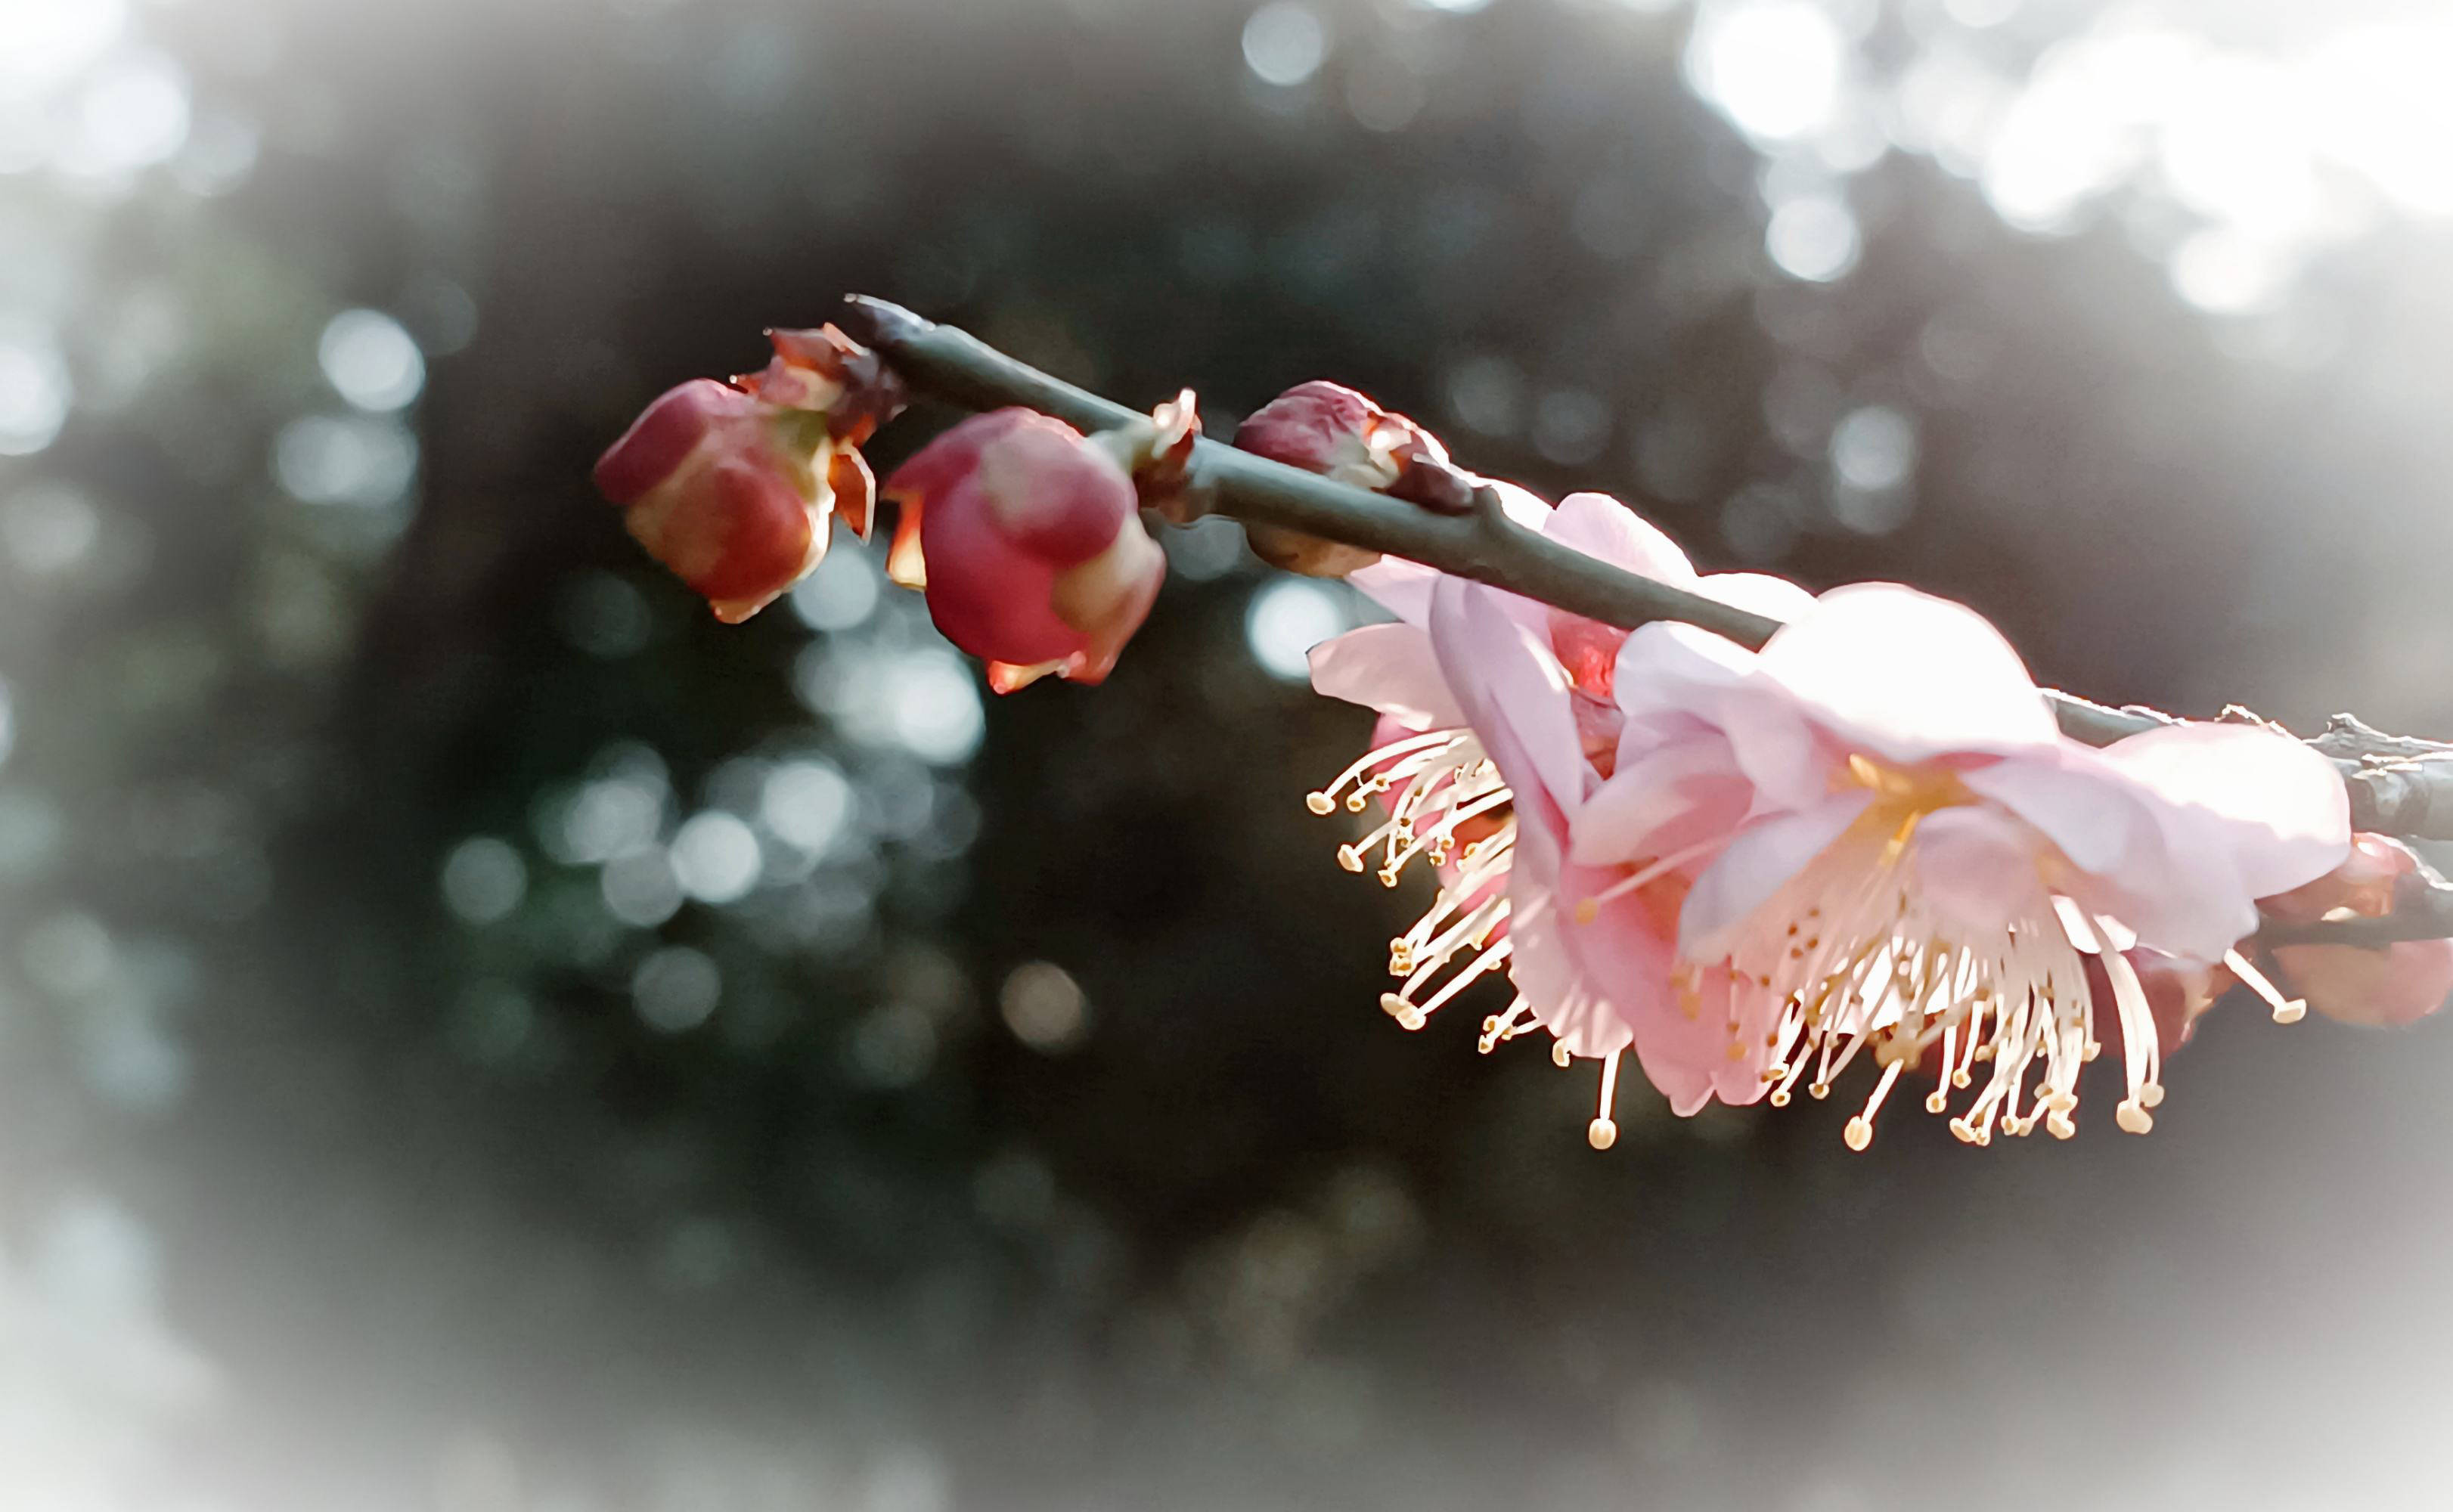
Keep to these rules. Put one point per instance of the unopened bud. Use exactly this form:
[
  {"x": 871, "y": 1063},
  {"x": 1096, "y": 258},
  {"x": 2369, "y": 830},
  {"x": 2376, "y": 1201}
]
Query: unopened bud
[
  {"x": 1028, "y": 539},
  {"x": 734, "y": 487},
  {"x": 2394, "y": 983},
  {"x": 1330, "y": 429},
  {"x": 2399, "y": 984}
]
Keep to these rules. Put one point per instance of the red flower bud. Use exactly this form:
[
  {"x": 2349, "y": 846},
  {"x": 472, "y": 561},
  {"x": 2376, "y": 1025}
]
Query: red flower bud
[
  {"x": 2398, "y": 983},
  {"x": 1027, "y": 538},
  {"x": 2401, "y": 983},
  {"x": 732, "y": 488},
  {"x": 1330, "y": 429},
  {"x": 2363, "y": 884},
  {"x": 712, "y": 491}
]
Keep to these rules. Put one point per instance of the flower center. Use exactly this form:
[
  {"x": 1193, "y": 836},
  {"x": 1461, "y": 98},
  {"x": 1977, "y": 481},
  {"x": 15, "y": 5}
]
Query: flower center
[
  {"x": 1917, "y": 790},
  {"x": 1849, "y": 954}
]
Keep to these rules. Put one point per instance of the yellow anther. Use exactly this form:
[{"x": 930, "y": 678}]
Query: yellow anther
[
  {"x": 1321, "y": 803},
  {"x": 1601, "y": 1134},
  {"x": 1859, "y": 1133}
]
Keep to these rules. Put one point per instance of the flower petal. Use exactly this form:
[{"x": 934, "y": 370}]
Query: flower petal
[
  {"x": 1665, "y": 668},
  {"x": 1977, "y": 867},
  {"x": 2138, "y": 859},
  {"x": 1599, "y": 525},
  {"x": 1672, "y": 678},
  {"x": 2277, "y": 807},
  {"x": 2095, "y": 815},
  {"x": 1907, "y": 677},
  {"x": 1389, "y": 668},
  {"x": 1512, "y": 691},
  {"x": 1402, "y": 587},
  {"x": 1677, "y": 1057},
  {"x": 1685, "y": 1054},
  {"x": 1774, "y": 598},
  {"x": 1674, "y": 796},
  {"x": 1763, "y": 856}
]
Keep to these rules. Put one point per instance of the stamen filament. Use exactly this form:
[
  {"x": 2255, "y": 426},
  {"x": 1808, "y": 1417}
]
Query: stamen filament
[{"x": 1601, "y": 1133}]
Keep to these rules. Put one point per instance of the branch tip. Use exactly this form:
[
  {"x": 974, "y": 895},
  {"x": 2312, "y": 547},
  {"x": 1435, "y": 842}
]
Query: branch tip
[{"x": 882, "y": 323}]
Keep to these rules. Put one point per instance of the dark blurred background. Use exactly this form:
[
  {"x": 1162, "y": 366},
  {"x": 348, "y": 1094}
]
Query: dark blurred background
[{"x": 478, "y": 1036}]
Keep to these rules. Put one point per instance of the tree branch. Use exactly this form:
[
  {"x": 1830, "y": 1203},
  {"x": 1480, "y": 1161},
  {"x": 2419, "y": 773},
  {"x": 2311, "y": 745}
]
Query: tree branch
[
  {"x": 2397, "y": 784},
  {"x": 1483, "y": 544}
]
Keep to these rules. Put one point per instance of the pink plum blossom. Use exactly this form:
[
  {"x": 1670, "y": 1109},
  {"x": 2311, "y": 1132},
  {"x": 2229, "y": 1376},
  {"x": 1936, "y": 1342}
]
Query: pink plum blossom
[
  {"x": 1026, "y": 536},
  {"x": 1509, "y": 708},
  {"x": 1928, "y": 861}
]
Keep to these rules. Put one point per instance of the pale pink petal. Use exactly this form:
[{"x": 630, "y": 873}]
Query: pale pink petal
[
  {"x": 1670, "y": 798},
  {"x": 1774, "y": 598},
  {"x": 1905, "y": 676},
  {"x": 1543, "y": 969},
  {"x": 1588, "y": 982},
  {"x": 1402, "y": 587},
  {"x": 1389, "y": 668},
  {"x": 1977, "y": 867},
  {"x": 1665, "y": 668},
  {"x": 1599, "y": 525},
  {"x": 1513, "y": 691},
  {"x": 1677, "y": 1058},
  {"x": 1685, "y": 1054},
  {"x": 2096, "y": 816},
  {"x": 2157, "y": 868},
  {"x": 2277, "y": 807},
  {"x": 1741, "y": 1081},
  {"x": 1763, "y": 856},
  {"x": 1671, "y": 677},
  {"x": 2182, "y": 895},
  {"x": 1520, "y": 503}
]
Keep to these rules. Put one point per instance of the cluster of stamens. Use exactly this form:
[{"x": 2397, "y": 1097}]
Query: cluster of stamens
[
  {"x": 1846, "y": 958},
  {"x": 1862, "y": 964},
  {"x": 1443, "y": 787}
]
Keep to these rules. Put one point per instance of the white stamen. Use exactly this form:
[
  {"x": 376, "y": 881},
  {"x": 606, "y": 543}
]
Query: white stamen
[
  {"x": 1601, "y": 1133},
  {"x": 1324, "y": 801},
  {"x": 1588, "y": 910},
  {"x": 2286, "y": 1010},
  {"x": 1846, "y": 955}
]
